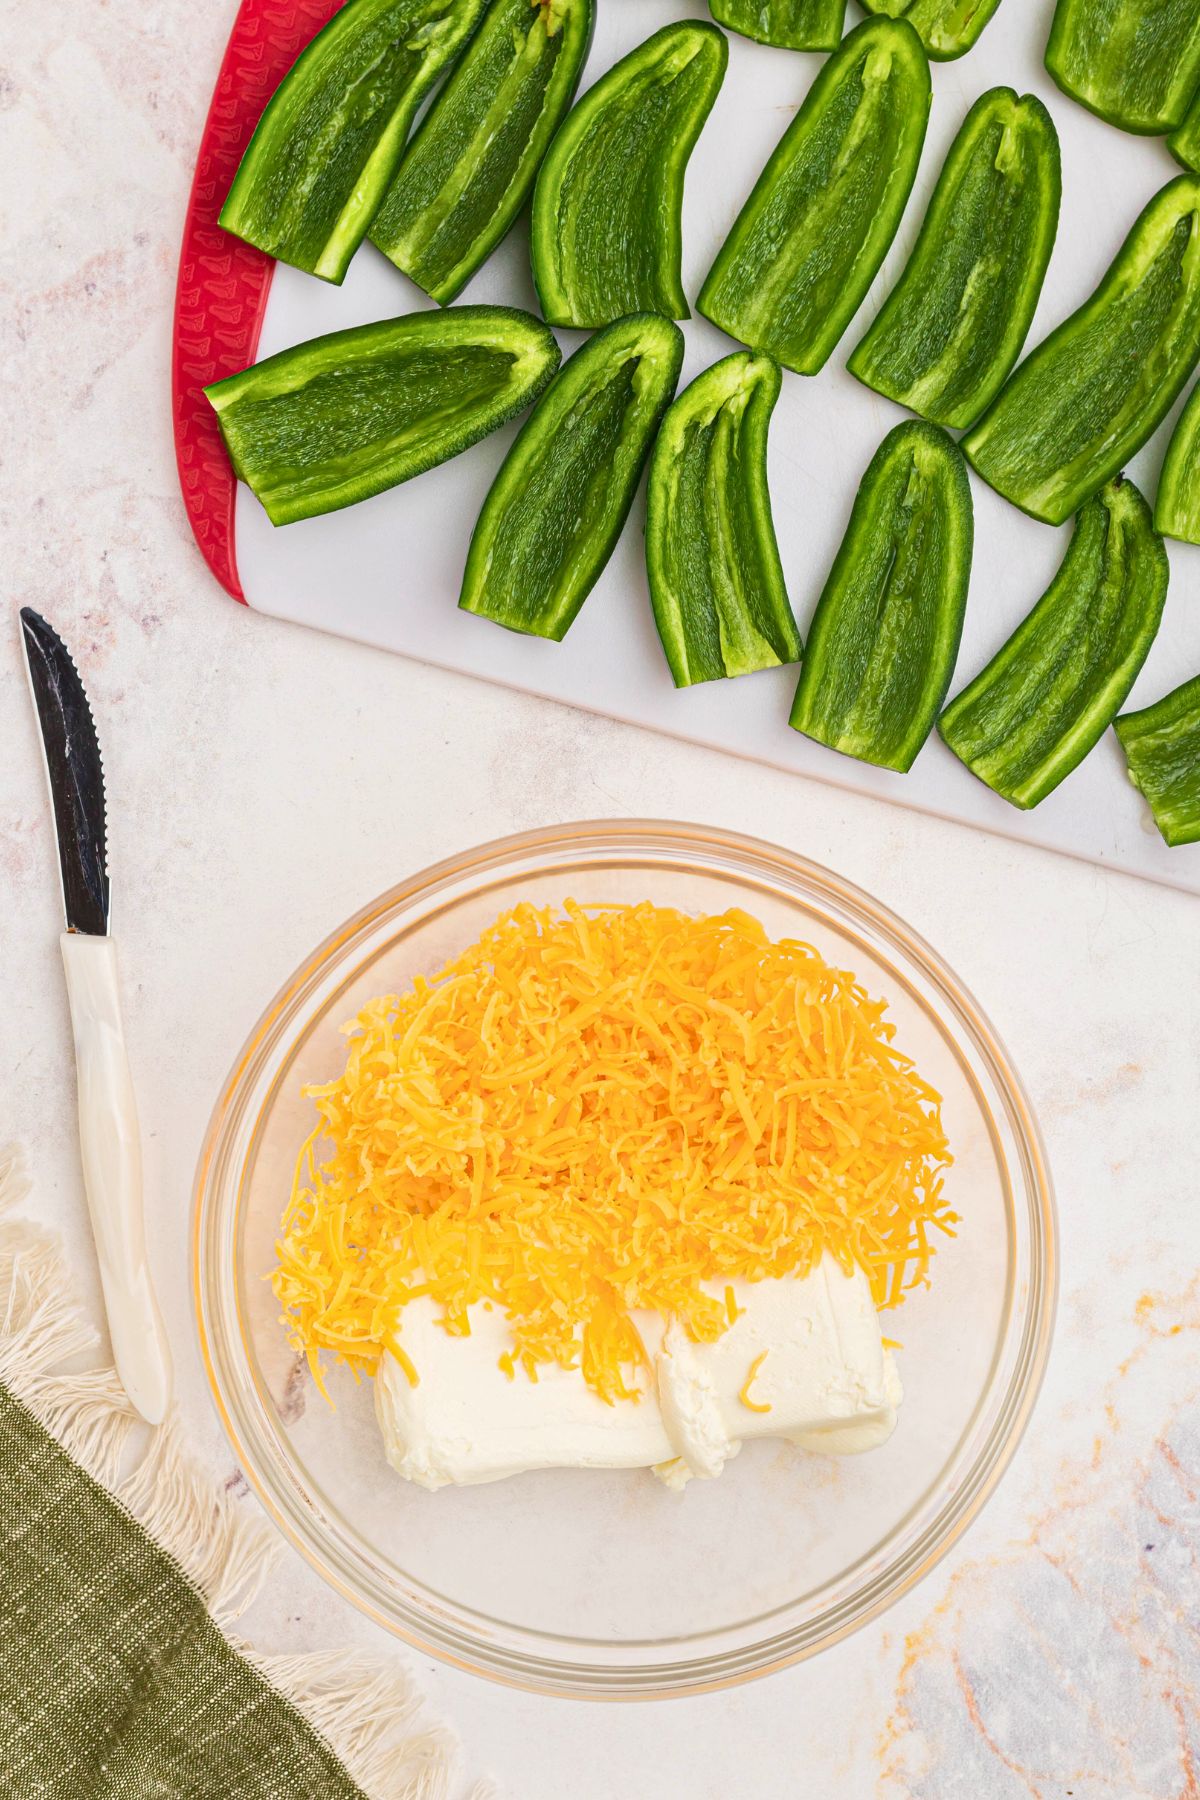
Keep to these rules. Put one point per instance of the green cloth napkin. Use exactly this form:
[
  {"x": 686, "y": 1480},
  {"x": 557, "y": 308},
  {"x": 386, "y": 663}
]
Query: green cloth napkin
[
  {"x": 114, "y": 1681},
  {"x": 117, "y": 1573}
]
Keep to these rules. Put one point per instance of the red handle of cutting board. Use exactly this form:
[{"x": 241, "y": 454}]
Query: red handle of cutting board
[{"x": 223, "y": 284}]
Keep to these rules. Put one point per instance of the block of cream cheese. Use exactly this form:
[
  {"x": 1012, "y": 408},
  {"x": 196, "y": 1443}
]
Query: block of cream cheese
[{"x": 823, "y": 1376}]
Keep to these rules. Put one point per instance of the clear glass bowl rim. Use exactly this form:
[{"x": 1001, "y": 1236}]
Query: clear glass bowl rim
[{"x": 707, "y": 848}]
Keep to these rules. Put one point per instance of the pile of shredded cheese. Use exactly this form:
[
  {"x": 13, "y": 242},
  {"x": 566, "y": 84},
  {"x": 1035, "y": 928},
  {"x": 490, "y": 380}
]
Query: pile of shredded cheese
[{"x": 595, "y": 1111}]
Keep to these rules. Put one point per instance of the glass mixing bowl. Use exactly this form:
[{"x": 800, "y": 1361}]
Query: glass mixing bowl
[{"x": 605, "y": 1584}]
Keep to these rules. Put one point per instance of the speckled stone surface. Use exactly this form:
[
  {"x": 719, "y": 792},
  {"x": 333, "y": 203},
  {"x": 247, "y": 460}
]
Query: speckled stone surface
[{"x": 265, "y": 780}]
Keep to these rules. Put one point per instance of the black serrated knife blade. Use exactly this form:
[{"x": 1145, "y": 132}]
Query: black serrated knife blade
[
  {"x": 109, "y": 1142},
  {"x": 76, "y": 774}
]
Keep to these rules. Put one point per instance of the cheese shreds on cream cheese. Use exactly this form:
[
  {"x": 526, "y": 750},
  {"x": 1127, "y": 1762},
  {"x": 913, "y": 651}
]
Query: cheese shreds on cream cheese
[
  {"x": 608, "y": 1123},
  {"x": 822, "y": 1372}
]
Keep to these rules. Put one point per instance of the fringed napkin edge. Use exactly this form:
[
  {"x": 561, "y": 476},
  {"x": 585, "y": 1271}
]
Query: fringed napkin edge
[{"x": 364, "y": 1707}]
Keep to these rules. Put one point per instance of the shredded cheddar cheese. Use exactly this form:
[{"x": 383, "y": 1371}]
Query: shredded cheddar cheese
[
  {"x": 406, "y": 1362},
  {"x": 597, "y": 1111},
  {"x": 758, "y": 1406}
]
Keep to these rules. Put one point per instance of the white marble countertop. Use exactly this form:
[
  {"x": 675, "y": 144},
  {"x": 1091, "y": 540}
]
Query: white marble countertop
[{"x": 1056, "y": 1651}]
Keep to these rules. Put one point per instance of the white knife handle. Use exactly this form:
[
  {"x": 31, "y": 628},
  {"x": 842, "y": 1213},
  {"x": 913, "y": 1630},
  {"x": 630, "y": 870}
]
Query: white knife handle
[{"x": 111, "y": 1153}]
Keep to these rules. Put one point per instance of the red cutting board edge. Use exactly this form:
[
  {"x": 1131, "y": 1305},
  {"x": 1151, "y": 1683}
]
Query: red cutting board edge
[{"x": 223, "y": 285}]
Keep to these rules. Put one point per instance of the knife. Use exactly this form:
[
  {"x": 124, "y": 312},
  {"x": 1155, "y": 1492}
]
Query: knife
[{"x": 109, "y": 1144}]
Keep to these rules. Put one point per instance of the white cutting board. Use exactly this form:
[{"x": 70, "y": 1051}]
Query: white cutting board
[{"x": 387, "y": 571}]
